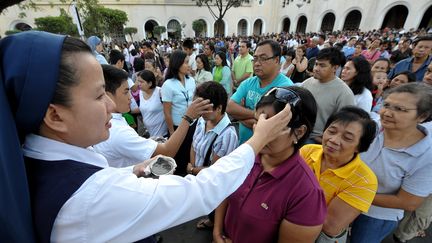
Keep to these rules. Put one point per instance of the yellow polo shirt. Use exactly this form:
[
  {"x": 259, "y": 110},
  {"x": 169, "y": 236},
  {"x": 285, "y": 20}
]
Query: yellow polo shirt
[{"x": 355, "y": 183}]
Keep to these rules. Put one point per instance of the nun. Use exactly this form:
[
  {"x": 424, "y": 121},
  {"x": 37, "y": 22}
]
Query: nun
[
  {"x": 96, "y": 46},
  {"x": 54, "y": 187}
]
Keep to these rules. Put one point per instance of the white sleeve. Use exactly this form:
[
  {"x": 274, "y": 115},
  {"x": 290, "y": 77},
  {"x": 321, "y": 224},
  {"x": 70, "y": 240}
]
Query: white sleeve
[
  {"x": 114, "y": 205},
  {"x": 364, "y": 101}
]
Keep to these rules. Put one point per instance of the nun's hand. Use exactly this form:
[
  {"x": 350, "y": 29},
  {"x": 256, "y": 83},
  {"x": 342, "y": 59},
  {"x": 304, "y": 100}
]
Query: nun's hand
[
  {"x": 140, "y": 169},
  {"x": 198, "y": 107}
]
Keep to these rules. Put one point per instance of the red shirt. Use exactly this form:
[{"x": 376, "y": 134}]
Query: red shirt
[{"x": 289, "y": 192}]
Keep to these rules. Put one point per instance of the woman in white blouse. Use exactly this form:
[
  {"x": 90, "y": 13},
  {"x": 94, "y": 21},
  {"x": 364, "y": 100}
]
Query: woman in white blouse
[
  {"x": 151, "y": 105},
  {"x": 357, "y": 75},
  {"x": 203, "y": 72}
]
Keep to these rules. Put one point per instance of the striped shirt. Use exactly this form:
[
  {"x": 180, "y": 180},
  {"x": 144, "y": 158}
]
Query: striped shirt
[
  {"x": 225, "y": 142},
  {"x": 354, "y": 183}
]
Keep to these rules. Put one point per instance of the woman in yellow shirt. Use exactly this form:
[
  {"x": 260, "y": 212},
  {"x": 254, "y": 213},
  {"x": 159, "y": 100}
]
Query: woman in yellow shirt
[{"x": 349, "y": 184}]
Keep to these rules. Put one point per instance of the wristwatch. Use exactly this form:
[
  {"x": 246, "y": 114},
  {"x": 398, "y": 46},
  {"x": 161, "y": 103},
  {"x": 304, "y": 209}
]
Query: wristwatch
[{"x": 188, "y": 119}]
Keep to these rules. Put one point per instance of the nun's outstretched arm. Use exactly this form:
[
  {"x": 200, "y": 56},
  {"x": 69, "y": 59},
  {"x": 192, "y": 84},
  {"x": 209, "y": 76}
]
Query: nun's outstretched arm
[{"x": 124, "y": 208}]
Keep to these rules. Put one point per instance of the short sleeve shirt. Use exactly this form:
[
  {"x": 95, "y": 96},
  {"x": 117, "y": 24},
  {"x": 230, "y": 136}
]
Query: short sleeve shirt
[
  {"x": 407, "y": 168},
  {"x": 124, "y": 146},
  {"x": 250, "y": 90},
  {"x": 179, "y": 96},
  {"x": 291, "y": 192},
  {"x": 354, "y": 183},
  {"x": 225, "y": 142},
  {"x": 242, "y": 65}
]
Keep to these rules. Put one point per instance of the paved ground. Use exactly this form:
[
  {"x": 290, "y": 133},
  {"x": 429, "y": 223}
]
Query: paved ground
[{"x": 187, "y": 233}]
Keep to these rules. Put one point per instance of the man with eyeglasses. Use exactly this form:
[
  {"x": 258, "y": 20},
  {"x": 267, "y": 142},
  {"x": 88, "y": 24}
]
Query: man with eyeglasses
[
  {"x": 329, "y": 91},
  {"x": 266, "y": 67}
]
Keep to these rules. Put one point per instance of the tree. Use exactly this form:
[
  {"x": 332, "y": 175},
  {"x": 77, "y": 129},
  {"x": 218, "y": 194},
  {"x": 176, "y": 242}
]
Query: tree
[
  {"x": 100, "y": 21},
  {"x": 130, "y": 31},
  {"x": 198, "y": 26},
  {"x": 59, "y": 25},
  {"x": 222, "y": 6},
  {"x": 4, "y": 4},
  {"x": 11, "y": 32},
  {"x": 158, "y": 30}
]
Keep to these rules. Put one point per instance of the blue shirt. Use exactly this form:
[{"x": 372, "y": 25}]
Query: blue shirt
[
  {"x": 179, "y": 96},
  {"x": 348, "y": 51},
  {"x": 406, "y": 65},
  {"x": 224, "y": 144},
  {"x": 250, "y": 90},
  {"x": 311, "y": 52},
  {"x": 407, "y": 168}
]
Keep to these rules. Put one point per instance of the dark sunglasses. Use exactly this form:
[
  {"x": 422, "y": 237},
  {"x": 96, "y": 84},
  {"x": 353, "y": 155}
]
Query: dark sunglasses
[{"x": 287, "y": 96}]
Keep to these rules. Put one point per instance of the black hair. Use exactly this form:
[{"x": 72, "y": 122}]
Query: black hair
[
  {"x": 133, "y": 52},
  {"x": 115, "y": 56},
  {"x": 248, "y": 44},
  {"x": 322, "y": 36},
  {"x": 331, "y": 54},
  {"x": 138, "y": 64},
  {"x": 114, "y": 78},
  {"x": 68, "y": 76},
  {"x": 275, "y": 46},
  {"x": 363, "y": 79},
  {"x": 147, "y": 44},
  {"x": 188, "y": 43},
  {"x": 176, "y": 61},
  {"x": 410, "y": 76},
  {"x": 214, "y": 92},
  {"x": 291, "y": 53},
  {"x": 305, "y": 110},
  {"x": 205, "y": 61},
  {"x": 222, "y": 56},
  {"x": 149, "y": 77},
  {"x": 350, "y": 114},
  {"x": 421, "y": 38},
  {"x": 211, "y": 47},
  {"x": 422, "y": 91}
]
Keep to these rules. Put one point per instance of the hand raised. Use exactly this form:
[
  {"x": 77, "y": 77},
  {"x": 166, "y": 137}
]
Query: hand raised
[
  {"x": 198, "y": 107},
  {"x": 269, "y": 129}
]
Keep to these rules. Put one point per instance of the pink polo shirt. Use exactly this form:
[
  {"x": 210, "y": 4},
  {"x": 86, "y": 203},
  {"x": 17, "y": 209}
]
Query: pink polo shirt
[{"x": 289, "y": 192}]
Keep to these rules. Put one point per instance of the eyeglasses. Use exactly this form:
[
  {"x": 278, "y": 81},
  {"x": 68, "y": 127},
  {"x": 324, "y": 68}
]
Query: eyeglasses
[
  {"x": 396, "y": 108},
  {"x": 261, "y": 59}
]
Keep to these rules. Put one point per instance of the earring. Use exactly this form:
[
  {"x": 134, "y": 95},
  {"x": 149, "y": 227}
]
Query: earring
[{"x": 295, "y": 142}]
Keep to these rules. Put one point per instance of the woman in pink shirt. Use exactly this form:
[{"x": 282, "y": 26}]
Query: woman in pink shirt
[{"x": 373, "y": 52}]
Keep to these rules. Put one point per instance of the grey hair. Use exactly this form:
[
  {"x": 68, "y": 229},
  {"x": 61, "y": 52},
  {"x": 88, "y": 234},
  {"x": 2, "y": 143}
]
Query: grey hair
[{"x": 420, "y": 90}]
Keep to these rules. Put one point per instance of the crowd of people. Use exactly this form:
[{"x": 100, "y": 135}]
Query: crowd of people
[{"x": 319, "y": 137}]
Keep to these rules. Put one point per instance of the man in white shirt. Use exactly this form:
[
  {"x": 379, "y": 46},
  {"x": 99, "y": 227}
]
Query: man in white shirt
[
  {"x": 188, "y": 47},
  {"x": 125, "y": 147}
]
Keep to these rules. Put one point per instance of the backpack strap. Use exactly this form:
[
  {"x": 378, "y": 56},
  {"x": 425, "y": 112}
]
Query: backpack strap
[{"x": 207, "y": 160}]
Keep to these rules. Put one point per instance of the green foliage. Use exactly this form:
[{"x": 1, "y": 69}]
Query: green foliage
[
  {"x": 11, "y": 32},
  {"x": 130, "y": 31},
  {"x": 59, "y": 25},
  {"x": 159, "y": 30},
  {"x": 99, "y": 20},
  {"x": 198, "y": 26},
  {"x": 222, "y": 6}
]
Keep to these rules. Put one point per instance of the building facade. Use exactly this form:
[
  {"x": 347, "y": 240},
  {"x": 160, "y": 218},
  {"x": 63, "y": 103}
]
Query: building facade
[{"x": 255, "y": 17}]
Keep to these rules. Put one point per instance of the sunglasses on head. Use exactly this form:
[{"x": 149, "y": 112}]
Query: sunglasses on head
[{"x": 290, "y": 97}]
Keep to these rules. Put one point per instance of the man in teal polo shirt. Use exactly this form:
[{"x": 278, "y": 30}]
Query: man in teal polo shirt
[{"x": 241, "y": 105}]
